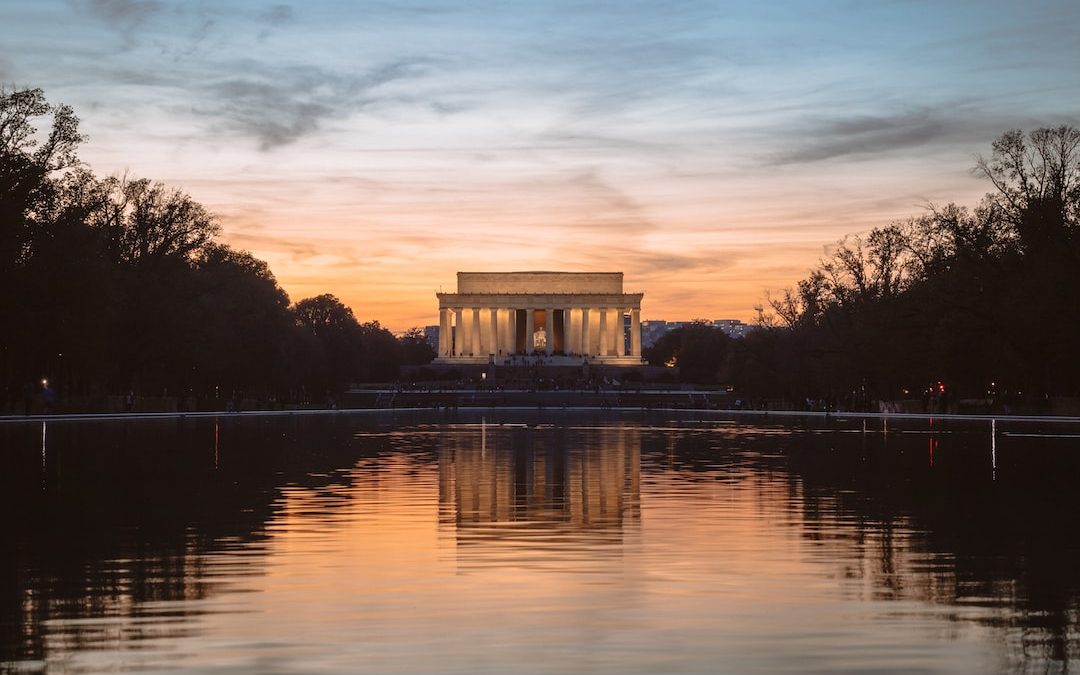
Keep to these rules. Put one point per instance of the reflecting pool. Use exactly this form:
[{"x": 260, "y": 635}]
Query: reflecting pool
[{"x": 547, "y": 542}]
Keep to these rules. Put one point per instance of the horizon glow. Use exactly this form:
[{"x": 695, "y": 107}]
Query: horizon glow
[{"x": 710, "y": 151}]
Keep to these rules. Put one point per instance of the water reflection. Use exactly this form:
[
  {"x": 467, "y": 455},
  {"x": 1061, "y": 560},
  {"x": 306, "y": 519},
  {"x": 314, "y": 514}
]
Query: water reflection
[
  {"x": 539, "y": 495},
  {"x": 565, "y": 542},
  {"x": 983, "y": 530},
  {"x": 522, "y": 475},
  {"x": 115, "y": 533}
]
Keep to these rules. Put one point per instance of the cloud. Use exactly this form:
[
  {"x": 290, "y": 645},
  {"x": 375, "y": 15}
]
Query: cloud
[
  {"x": 187, "y": 26},
  {"x": 279, "y": 105},
  {"x": 295, "y": 248},
  {"x": 597, "y": 140},
  {"x": 125, "y": 11},
  {"x": 269, "y": 112},
  {"x": 602, "y": 206},
  {"x": 274, "y": 16},
  {"x": 125, "y": 16},
  {"x": 951, "y": 125},
  {"x": 967, "y": 123},
  {"x": 450, "y": 107},
  {"x": 131, "y": 76},
  {"x": 644, "y": 262},
  {"x": 869, "y": 134}
]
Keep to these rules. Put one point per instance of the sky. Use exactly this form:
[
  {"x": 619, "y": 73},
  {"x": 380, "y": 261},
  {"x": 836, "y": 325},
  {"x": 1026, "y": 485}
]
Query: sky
[{"x": 711, "y": 151}]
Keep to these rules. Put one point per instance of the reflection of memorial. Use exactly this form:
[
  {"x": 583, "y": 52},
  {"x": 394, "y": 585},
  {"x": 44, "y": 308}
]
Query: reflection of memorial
[{"x": 526, "y": 478}]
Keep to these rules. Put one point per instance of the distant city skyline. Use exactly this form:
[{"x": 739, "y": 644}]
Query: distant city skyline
[{"x": 712, "y": 151}]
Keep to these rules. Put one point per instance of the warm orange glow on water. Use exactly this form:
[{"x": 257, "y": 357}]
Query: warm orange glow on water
[
  {"x": 554, "y": 544},
  {"x": 476, "y": 553}
]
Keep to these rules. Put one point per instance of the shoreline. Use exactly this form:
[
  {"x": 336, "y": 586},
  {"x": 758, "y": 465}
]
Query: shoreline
[{"x": 700, "y": 412}]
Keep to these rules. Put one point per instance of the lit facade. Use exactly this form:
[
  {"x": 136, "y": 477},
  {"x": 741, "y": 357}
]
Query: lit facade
[{"x": 559, "y": 315}]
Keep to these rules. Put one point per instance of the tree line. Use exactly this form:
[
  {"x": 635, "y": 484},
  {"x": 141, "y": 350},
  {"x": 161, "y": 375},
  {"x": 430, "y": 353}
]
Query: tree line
[
  {"x": 972, "y": 303},
  {"x": 118, "y": 284}
]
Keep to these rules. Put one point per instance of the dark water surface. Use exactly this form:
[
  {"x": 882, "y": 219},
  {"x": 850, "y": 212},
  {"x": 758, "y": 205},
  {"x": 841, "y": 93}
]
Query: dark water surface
[{"x": 557, "y": 542}]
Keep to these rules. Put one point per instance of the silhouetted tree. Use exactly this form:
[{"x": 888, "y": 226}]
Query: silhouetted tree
[
  {"x": 1037, "y": 196},
  {"x": 973, "y": 297},
  {"x": 330, "y": 342},
  {"x": 68, "y": 303},
  {"x": 29, "y": 167},
  {"x": 699, "y": 350},
  {"x": 146, "y": 221},
  {"x": 415, "y": 350},
  {"x": 117, "y": 283},
  {"x": 244, "y": 323},
  {"x": 1037, "y": 186},
  {"x": 380, "y": 353},
  {"x": 155, "y": 236}
]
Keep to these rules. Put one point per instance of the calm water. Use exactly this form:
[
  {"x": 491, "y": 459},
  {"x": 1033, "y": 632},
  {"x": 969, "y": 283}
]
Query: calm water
[{"x": 537, "y": 543}]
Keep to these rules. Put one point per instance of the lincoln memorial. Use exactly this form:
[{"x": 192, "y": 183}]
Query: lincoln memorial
[{"x": 565, "y": 316}]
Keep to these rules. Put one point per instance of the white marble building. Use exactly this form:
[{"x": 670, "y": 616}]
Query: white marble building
[{"x": 564, "y": 316}]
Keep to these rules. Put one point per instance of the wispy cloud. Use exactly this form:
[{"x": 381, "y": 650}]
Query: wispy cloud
[
  {"x": 277, "y": 105},
  {"x": 605, "y": 207},
  {"x": 273, "y": 17},
  {"x": 868, "y": 135},
  {"x": 124, "y": 16},
  {"x": 172, "y": 29},
  {"x": 124, "y": 12},
  {"x": 276, "y": 15},
  {"x": 297, "y": 249},
  {"x": 969, "y": 124}
]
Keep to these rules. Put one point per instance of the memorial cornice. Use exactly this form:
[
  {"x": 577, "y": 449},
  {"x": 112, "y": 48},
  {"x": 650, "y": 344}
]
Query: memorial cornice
[{"x": 539, "y": 300}]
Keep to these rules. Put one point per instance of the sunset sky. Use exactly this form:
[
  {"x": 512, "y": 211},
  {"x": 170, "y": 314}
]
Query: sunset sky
[{"x": 709, "y": 150}]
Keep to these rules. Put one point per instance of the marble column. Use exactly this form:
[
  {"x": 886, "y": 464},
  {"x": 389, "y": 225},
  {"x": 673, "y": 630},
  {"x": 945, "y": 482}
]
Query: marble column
[
  {"x": 605, "y": 339},
  {"x": 476, "y": 347},
  {"x": 549, "y": 330},
  {"x": 567, "y": 334},
  {"x": 494, "y": 348},
  {"x": 635, "y": 332},
  {"x": 529, "y": 330},
  {"x": 500, "y": 322},
  {"x": 575, "y": 327},
  {"x": 585, "y": 346},
  {"x": 620, "y": 333},
  {"x": 444, "y": 332},
  {"x": 511, "y": 328},
  {"x": 459, "y": 332}
]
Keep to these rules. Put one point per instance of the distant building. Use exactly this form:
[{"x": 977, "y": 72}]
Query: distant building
[
  {"x": 733, "y": 327},
  {"x": 654, "y": 329},
  {"x": 431, "y": 335}
]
